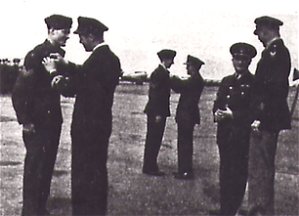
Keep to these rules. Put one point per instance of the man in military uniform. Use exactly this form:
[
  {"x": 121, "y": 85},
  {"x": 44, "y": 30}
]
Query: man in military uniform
[
  {"x": 270, "y": 113},
  {"x": 231, "y": 111},
  {"x": 94, "y": 84},
  {"x": 187, "y": 114},
  {"x": 37, "y": 106},
  {"x": 157, "y": 110}
]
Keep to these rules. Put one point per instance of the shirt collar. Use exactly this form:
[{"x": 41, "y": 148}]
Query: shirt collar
[
  {"x": 272, "y": 41},
  {"x": 238, "y": 76},
  {"x": 99, "y": 45},
  {"x": 163, "y": 66}
]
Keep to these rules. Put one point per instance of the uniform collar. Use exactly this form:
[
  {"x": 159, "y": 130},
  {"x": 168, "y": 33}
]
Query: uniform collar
[{"x": 53, "y": 48}]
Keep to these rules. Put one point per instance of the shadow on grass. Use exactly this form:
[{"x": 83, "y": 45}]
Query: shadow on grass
[
  {"x": 9, "y": 143},
  {"x": 211, "y": 188},
  {"x": 6, "y": 119},
  {"x": 58, "y": 173},
  {"x": 10, "y": 163}
]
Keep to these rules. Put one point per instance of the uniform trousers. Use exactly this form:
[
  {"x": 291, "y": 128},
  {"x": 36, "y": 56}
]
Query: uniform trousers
[
  {"x": 41, "y": 152},
  {"x": 185, "y": 146},
  {"x": 155, "y": 131},
  {"x": 89, "y": 169},
  {"x": 262, "y": 172},
  {"x": 233, "y": 170}
]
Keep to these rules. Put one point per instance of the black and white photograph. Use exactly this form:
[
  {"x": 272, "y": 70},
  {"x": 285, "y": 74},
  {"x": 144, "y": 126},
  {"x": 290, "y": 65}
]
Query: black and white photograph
[{"x": 141, "y": 108}]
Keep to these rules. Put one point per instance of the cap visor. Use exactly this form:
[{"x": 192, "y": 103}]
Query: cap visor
[{"x": 241, "y": 56}]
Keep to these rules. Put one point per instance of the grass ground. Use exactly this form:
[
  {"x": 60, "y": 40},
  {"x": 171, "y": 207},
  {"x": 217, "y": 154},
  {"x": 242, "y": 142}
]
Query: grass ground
[{"x": 131, "y": 192}]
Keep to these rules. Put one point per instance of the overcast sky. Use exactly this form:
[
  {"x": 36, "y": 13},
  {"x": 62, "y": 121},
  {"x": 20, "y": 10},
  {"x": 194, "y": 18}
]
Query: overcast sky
[{"x": 139, "y": 29}]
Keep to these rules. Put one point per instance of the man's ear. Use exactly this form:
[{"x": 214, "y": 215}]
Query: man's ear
[
  {"x": 92, "y": 38},
  {"x": 51, "y": 31}
]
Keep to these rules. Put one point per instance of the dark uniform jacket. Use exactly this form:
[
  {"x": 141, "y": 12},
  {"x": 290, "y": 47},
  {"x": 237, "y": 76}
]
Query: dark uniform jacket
[
  {"x": 190, "y": 91},
  {"x": 94, "y": 84},
  {"x": 235, "y": 94},
  {"x": 271, "y": 88},
  {"x": 159, "y": 93},
  {"x": 33, "y": 98}
]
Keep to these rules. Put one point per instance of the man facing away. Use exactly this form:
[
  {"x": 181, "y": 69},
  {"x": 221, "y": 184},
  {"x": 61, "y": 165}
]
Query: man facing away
[
  {"x": 231, "y": 111},
  {"x": 271, "y": 114},
  {"x": 157, "y": 110},
  {"x": 94, "y": 84},
  {"x": 187, "y": 114},
  {"x": 37, "y": 106}
]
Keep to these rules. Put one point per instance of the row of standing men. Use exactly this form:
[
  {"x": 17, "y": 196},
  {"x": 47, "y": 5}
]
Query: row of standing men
[
  {"x": 245, "y": 104},
  {"x": 248, "y": 109}
]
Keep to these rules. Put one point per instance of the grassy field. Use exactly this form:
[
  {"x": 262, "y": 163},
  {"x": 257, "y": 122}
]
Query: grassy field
[{"x": 131, "y": 192}]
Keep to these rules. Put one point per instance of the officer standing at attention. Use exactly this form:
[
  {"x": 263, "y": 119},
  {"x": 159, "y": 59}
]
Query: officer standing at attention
[
  {"x": 231, "y": 111},
  {"x": 93, "y": 84},
  {"x": 157, "y": 110},
  {"x": 187, "y": 114},
  {"x": 37, "y": 107},
  {"x": 270, "y": 114}
]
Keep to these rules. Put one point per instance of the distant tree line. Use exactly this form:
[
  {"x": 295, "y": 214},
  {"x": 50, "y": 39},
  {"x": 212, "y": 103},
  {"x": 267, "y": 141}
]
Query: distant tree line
[{"x": 9, "y": 70}]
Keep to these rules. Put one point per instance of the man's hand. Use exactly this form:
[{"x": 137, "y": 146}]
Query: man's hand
[
  {"x": 219, "y": 115},
  {"x": 50, "y": 64},
  {"x": 58, "y": 58},
  {"x": 227, "y": 113},
  {"x": 29, "y": 128},
  {"x": 158, "y": 119},
  {"x": 255, "y": 125}
]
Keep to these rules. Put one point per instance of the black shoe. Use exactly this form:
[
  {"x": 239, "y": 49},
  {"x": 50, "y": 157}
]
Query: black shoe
[
  {"x": 184, "y": 175},
  {"x": 153, "y": 172},
  {"x": 242, "y": 212}
]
